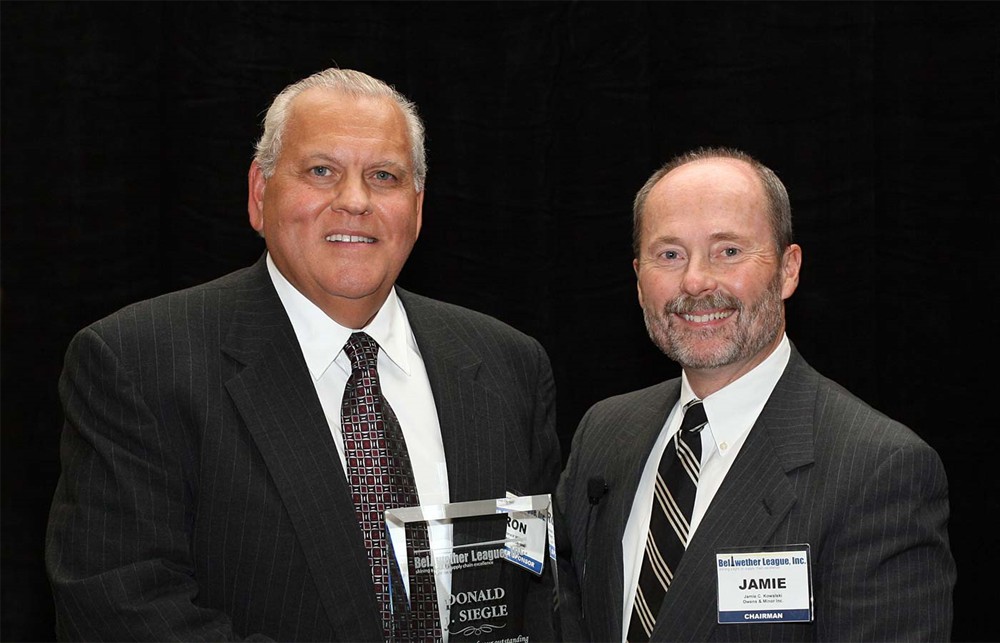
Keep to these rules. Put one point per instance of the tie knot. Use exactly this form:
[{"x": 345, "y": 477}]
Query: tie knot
[
  {"x": 362, "y": 350},
  {"x": 695, "y": 418}
]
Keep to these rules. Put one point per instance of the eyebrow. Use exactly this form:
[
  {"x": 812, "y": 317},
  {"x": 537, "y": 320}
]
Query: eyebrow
[
  {"x": 726, "y": 236},
  {"x": 715, "y": 236}
]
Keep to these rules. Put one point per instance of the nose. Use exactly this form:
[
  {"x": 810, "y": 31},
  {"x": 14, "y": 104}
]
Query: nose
[
  {"x": 352, "y": 196},
  {"x": 699, "y": 276}
]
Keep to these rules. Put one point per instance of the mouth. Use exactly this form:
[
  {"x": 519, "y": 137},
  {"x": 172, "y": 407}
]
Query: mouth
[
  {"x": 706, "y": 317},
  {"x": 349, "y": 238}
]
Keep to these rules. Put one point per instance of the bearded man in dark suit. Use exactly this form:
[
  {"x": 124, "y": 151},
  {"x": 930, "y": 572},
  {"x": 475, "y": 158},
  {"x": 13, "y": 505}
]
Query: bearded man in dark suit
[{"x": 793, "y": 470}]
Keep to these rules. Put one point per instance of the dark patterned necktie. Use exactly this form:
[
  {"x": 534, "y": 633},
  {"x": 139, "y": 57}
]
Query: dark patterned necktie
[
  {"x": 670, "y": 520},
  {"x": 381, "y": 477}
]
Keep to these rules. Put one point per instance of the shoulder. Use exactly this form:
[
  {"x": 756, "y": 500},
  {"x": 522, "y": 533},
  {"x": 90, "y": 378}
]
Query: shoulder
[
  {"x": 199, "y": 307},
  {"x": 641, "y": 401},
  {"x": 839, "y": 407},
  {"x": 638, "y": 414},
  {"x": 842, "y": 419},
  {"x": 439, "y": 320}
]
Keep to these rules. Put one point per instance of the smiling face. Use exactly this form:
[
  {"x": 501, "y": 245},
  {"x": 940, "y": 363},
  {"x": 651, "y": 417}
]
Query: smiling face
[
  {"x": 340, "y": 214},
  {"x": 711, "y": 281}
]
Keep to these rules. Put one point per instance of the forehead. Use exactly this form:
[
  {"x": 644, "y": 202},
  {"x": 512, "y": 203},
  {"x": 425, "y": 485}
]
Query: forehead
[
  {"x": 321, "y": 114},
  {"x": 710, "y": 190},
  {"x": 710, "y": 178}
]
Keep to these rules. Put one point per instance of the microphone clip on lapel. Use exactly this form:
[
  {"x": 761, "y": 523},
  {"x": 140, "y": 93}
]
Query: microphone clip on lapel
[{"x": 597, "y": 488}]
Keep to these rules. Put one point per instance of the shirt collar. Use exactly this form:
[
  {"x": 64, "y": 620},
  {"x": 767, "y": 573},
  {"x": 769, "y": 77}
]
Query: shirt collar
[
  {"x": 733, "y": 409},
  {"x": 322, "y": 339}
]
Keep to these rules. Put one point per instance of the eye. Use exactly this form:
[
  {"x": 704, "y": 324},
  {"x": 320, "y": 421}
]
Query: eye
[
  {"x": 382, "y": 175},
  {"x": 670, "y": 254},
  {"x": 320, "y": 170},
  {"x": 730, "y": 252}
]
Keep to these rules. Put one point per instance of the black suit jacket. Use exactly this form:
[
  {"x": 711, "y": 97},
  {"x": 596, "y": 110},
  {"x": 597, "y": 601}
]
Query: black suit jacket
[
  {"x": 819, "y": 467},
  {"x": 202, "y": 497}
]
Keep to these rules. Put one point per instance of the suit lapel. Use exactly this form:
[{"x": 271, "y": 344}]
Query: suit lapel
[
  {"x": 276, "y": 399},
  {"x": 471, "y": 429},
  {"x": 754, "y": 499},
  {"x": 628, "y": 449},
  {"x": 473, "y": 437}
]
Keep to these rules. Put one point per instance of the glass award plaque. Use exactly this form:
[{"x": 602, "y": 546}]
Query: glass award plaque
[{"x": 482, "y": 563}]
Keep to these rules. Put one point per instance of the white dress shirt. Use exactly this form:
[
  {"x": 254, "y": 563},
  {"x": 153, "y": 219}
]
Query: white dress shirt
[
  {"x": 404, "y": 383},
  {"x": 731, "y": 413}
]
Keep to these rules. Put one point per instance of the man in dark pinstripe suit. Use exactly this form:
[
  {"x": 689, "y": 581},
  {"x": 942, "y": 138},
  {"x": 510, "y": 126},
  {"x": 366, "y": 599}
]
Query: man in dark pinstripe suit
[
  {"x": 203, "y": 493},
  {"x": 789, "y": 459}
]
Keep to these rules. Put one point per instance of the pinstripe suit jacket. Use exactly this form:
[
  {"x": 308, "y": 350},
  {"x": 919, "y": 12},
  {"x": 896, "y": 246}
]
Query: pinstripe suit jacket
[
  {"x": 202, "y": 497},
  {"x": 819, "y": 467}
]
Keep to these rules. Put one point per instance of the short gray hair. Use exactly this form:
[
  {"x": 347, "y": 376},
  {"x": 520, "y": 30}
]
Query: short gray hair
[
  {"x": 779, "y": 207},
  {"x": 354, "y": 83}
]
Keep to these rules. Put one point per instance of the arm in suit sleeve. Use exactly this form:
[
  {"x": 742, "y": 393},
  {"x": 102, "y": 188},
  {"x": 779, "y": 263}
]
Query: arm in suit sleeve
[
  {"x": 545, "y": 453},
  {"x": 545, "y": 467},
  {"x": 893, "y": 573},
  {"x": 569, "y": 535},
  {"x": 118, "y": 542},
  {"x": 569, "y": 618}
]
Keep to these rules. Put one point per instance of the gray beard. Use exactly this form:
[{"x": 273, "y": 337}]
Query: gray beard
[{"x": 756, "y": 328}]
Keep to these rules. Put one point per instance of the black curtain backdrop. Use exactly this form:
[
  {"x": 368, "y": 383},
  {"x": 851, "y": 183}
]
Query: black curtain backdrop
[{"x": 127, "y": 131}]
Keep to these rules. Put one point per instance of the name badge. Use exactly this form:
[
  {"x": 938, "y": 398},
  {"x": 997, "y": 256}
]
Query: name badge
[
  {"x": 526, "y": 534},
  {"x": 765, "y": 584}
]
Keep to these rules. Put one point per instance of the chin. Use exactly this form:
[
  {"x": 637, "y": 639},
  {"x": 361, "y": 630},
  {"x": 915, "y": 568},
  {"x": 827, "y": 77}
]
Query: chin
[{"x": 353, "y": 289}]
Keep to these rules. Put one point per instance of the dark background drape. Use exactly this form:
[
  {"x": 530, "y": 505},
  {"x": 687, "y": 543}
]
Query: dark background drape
[{"x": 127, "y": 130}]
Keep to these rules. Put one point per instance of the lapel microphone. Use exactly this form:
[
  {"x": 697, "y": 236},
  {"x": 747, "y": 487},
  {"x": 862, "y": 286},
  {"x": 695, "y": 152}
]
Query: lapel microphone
[{"x": 597, "y": 488}]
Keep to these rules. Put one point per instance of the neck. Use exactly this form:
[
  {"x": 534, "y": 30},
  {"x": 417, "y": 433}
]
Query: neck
[
  {"x": 353, "y": 313},
  {"x": 705, "y": 381}
]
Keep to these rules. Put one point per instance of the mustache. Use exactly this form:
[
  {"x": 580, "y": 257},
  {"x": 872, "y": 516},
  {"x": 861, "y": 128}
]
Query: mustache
[{"x": 686, "y": 304}]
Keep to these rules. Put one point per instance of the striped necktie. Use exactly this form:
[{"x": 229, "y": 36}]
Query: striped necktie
[{"x": 669, "y": 522}]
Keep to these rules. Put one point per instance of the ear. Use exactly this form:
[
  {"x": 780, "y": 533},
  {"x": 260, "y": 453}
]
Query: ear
[
  {"x": 638, "y": 283},
  {"x": 420, "y": 214},
  {"x": 255, "y": 196},
  {"x": 791, "y": 262}
]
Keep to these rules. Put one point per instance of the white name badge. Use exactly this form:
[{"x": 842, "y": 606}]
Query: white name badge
[
  {"x": 765, "y": 584},
  {"x": 526, "y": 533}
]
